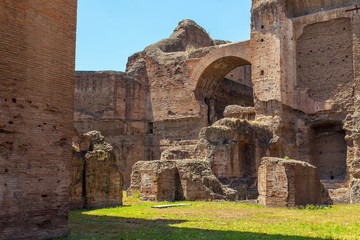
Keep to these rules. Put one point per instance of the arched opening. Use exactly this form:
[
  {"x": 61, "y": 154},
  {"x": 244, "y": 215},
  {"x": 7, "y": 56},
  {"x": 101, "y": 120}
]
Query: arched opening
[{"x": 226, "y": 81}]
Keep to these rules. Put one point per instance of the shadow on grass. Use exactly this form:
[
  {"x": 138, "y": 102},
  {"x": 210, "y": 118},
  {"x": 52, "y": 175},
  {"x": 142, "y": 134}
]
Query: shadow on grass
[{"x": 84, "y": 226}]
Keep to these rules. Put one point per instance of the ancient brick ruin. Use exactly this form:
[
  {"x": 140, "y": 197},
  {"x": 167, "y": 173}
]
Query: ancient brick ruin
[
  {"x": 309, "y": 50},
  {"x": 193, "y": 115},
  {"x": 291, "y": 90},
  {"x": 290, "y": 183},
  {"x": 142, "y": 113},
  {"x": 37, "y": 61},
  {"x": 183, "y": 179},
  {"x": 96, "y": 180}
]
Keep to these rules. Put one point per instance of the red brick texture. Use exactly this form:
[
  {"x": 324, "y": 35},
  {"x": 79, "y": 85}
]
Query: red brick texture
[
  {"x": 288, "y": 183},
  {"x": 37, "y": 58}
]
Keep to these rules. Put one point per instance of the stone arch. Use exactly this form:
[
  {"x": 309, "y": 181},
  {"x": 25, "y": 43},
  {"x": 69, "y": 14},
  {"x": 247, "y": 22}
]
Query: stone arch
[
  {"x": 215, "y": 72},
  {"x": 209, "y": 74}
]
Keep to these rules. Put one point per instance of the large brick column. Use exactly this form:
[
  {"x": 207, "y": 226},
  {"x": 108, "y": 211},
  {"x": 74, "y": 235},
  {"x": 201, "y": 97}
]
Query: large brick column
[{"x": 37, "y": 61}]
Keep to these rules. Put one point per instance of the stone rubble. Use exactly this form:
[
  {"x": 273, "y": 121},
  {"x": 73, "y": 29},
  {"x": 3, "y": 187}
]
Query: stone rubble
[{"x": 96, "y": 179}]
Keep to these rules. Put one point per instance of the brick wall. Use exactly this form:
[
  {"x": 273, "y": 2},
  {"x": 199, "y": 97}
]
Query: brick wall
[
  {"x": 129, "y": 140},
  {"x": 265, "y": 50},
  {"x": 304, "y": 57},
  {"x": 37, "y": 57},
  {"x": 109, "y": 95},
  {"x": 241, "y": 74},
  {"x": 329, "y": 46},
  {"x": 296, "y": 8},
  {"x": 115, "y": 104}
]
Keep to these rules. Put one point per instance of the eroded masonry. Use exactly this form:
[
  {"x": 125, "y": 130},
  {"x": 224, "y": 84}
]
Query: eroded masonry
[
  {"x": 291, "y": 90},
  {"x": 37, "y": 61},
  {"x": 191, "y": 118}
]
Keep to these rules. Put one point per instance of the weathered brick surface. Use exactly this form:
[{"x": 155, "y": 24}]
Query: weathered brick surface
[
  {"x": 76, "y": 188},
  {"x": 305, "y": 77},
  {"x": 96, "y": 179},
  {"x": 303, "y": 84},
  {"x": 329, "y": 46},
  {"x": 237, "y": 111},
  {"x": 296, "y": 8},
  {"x": 37, "y": 57},
  {"x": 234, "y": 148},
  {"x": 159, "y": 186},
  {"x": 177, "y": 180},
  {"x": 142, "y": 112},
  {"x": 241, "y": 74},
  {"x": 103, "y": 180},
  {"x": 289, "y": 183},
  {"x": 116, "y": 104},
  {"x": 109, "y": 95},
  {"x": 130, "y": 140},
  {"x": 355, "y": 191},
  {"x": 265, "y": 50}
]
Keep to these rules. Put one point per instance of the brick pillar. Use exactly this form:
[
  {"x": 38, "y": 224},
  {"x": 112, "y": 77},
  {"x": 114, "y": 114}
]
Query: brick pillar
[{"x": 37, "y": 62}]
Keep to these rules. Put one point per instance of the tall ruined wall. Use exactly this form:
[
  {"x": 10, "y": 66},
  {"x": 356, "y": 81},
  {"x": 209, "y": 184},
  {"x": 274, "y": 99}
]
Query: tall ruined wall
[
  {"x": 37, "y": 61},
  {"x": 303, "y": 57},
  {"x": 153, "y": 105},
  {"x": 115, "y": 104},
  {"x": 110, "y": 95},
  {"x": 296, "y": 8},
  {"x": 166, "y": 68},
  {"x": 325, "y": 62},
  {"x": 313, "y": 53},
  {"x": 325, "y": 40},
  {"x": 324, "y": 58},
  {"x": 265, "y": 50}
]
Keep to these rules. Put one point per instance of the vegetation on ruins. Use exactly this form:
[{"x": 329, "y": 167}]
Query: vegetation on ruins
[{"x": 215, "y": 220}]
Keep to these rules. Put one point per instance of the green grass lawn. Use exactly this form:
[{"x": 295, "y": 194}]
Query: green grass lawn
[{"x": 215, "y": 220}]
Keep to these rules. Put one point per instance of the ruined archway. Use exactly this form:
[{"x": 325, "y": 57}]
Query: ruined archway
[{"x": 223, "y": 77}]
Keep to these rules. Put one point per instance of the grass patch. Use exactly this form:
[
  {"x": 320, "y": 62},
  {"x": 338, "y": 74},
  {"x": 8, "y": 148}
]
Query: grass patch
[{"x": 214, "y": 220}]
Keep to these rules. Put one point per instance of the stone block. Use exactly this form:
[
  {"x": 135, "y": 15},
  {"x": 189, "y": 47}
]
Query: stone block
[
  {"x": 234, "y": 148},
  {"x": 288, "y": 183},
  {"x": 172, "y": 180},
  {"x": 158, "y": 183},
  {"x": 340, "y": 195},
  {"x": 175, "y": 153},
  {"x": 355, "y": 191},
  {"x": 236, "y": 111},
  {"x": 96, "y": 180},
  {"x": 80, "y": 143}
]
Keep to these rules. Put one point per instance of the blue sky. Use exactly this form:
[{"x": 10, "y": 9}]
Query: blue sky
[{"x": 109, "y": 31}]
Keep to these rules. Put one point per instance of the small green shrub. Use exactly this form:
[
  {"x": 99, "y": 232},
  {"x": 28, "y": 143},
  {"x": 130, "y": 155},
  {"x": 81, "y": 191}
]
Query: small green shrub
[{"x": 287, "y": 158}]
